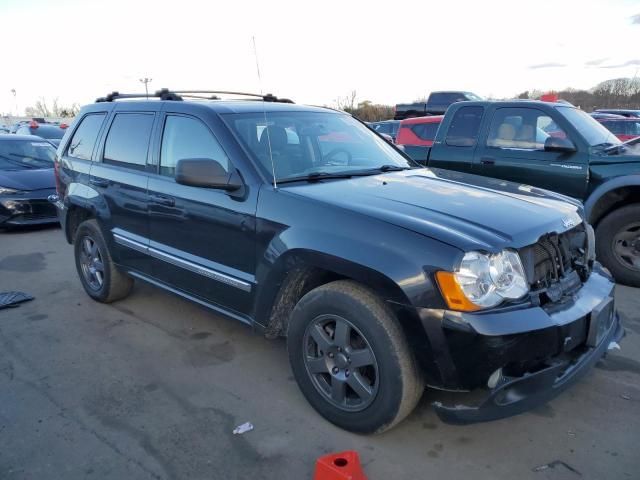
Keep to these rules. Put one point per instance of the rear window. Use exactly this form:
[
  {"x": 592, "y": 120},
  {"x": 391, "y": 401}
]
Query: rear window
[
  {"x": 128, "y": 140},
  {"x": 464, "y": 128},
  {"x": 446, "y": 98},
  {"x": 25, "y": 154},
  {"x": 49, "y": 131}
]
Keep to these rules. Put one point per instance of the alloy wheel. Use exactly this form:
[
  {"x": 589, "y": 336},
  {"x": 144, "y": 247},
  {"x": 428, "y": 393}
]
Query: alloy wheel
[{"x": 340, "y": 363}]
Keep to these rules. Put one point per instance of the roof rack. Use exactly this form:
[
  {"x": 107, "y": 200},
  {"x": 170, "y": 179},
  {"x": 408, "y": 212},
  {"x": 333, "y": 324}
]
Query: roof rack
[{"x": 178, "y": 95}]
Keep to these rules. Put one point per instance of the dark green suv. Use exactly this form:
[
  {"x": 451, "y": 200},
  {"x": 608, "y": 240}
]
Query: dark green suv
[{"x": 554, "y": 146}]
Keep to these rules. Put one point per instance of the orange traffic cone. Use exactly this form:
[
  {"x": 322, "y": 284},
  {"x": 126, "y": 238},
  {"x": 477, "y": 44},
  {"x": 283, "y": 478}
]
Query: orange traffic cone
[{"x": 339, "y": 466}]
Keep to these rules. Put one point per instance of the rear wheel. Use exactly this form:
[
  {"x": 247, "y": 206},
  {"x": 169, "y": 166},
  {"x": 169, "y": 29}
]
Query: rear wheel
[
  {"x": 351, "y": 359},
  {"x": 618, "y": 244},
  {"x": 100, "y": 277}
]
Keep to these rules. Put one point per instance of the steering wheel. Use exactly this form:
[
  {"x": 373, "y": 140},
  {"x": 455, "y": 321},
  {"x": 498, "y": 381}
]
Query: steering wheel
[{"x": 335, "y": 152}]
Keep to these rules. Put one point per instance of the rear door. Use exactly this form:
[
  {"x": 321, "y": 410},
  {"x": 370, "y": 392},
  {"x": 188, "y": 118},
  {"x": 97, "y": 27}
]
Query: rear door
[
  {"x": 513, "y": 149},
  {"x": 202, "y": 239},
  {"x": 121, "y": 179}
]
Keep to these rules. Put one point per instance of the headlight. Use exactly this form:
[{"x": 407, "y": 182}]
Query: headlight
[
  {"x": 483, "y": 281},
  {"x": 7, "y": 191}
]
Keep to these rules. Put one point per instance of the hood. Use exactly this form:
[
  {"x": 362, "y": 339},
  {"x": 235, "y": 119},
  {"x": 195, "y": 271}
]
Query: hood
[
  {"x": 28, "y": 179},
  {"x": 467, "y": 211}
]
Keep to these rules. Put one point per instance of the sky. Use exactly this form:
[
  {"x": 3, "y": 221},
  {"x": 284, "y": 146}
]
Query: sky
[{"x": 312, "y": 52}]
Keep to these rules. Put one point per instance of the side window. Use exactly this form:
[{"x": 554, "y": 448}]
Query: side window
[
  {"x": 85, "y": 136},
  {"x": 522, "y": 129},
  {"x": 185, "y": 137},
  {"x": 425, "y": 131},
  {"x": 464, "y": 127},
  {"x": 128, "y": 140}
]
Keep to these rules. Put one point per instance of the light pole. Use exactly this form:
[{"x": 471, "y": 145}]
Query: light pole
[
  {"x": 146, "y": 81},
  {"x": 15, "y": 101}
]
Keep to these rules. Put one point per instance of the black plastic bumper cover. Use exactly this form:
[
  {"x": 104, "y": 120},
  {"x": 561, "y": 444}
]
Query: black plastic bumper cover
[{"x": 517, "y": 395}]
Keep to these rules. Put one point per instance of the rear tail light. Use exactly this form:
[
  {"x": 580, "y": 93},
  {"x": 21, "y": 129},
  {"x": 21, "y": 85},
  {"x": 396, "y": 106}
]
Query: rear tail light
[
  {"x": 33, "y": 124},
  {"x": 64, "y": 125}
]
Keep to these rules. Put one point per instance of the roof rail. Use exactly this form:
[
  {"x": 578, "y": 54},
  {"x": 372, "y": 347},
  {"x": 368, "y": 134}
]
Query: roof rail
[
  {"x": 177, "y": 95},
  {"x": 162, "y": 94}
]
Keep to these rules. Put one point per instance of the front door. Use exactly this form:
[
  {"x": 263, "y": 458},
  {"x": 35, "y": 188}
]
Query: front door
[
  {"x": 202, "y": 239},
  {"x": 513, "y": 149}
]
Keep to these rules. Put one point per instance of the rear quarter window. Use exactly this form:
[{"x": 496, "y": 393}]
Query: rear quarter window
[{"x": 84, "y": 138}]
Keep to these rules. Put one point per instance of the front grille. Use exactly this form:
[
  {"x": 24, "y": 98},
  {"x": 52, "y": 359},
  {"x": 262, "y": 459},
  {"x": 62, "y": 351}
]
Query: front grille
[{"x": 557, "y": 263}]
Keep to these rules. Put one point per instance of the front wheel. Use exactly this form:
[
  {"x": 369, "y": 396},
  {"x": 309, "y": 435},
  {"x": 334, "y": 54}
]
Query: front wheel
[
  {"x": 351, "y": 358},
  {"x": 618, "y": 244}
]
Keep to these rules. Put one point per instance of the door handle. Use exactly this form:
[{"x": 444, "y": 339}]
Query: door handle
[
  {"x": 99, "y": 182},
  {"x": 488, "y": 161},
  {"x": 163, "y": 200}
]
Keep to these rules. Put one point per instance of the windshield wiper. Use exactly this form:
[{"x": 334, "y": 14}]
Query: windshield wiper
[
  {"x": 390, "y": 168},
  {"x": 315, "y": 176}
]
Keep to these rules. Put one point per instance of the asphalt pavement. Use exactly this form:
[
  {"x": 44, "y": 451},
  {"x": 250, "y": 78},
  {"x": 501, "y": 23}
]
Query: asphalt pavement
[{"x": 152, "y": 387}]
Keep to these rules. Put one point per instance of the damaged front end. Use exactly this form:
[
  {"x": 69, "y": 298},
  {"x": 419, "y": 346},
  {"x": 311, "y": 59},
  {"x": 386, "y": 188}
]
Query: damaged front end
[{"x": 521, "y": 356}]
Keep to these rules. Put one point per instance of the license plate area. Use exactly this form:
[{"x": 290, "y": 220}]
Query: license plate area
[{"x": 600, "y": 322}]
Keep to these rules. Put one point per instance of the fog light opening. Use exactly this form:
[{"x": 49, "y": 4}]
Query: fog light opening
[{"x": 495, "y": 378}]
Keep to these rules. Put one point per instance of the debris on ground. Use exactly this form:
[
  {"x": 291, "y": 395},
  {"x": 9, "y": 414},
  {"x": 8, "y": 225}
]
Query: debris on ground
[
  {"x": 554, "y": 464},
  {"x": 13, "y": 299},
  {"x": 244, "y": 428},
  {"x": 625, "y": 397}
]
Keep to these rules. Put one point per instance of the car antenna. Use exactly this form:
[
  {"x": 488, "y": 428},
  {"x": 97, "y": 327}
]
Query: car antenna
[{"x": 264, "y": 110}]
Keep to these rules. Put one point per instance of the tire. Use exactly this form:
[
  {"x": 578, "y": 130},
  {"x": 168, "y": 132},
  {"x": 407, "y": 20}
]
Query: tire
[
  {"x": 618, "y": 244},
  {"x": 107, "y": 284},
  {"x": 389, "y": 372}
]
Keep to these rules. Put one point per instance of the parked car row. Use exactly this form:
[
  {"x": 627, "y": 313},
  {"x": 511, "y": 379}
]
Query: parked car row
[{"x": 50, "y": 131}]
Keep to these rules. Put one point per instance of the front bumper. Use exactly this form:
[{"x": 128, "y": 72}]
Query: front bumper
[
  {"x": 28, "y": 208},
  {"x": 516, "y": 395},
  {"x": 541, "y": 350}
]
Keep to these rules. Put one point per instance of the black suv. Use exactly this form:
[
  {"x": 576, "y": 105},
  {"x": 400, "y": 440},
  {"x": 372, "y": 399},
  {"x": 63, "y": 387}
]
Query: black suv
[{"x": 302, "y": 222}]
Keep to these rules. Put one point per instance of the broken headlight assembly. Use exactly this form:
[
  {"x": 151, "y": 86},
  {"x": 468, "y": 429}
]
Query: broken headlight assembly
[{"x": 484, "y": 281}]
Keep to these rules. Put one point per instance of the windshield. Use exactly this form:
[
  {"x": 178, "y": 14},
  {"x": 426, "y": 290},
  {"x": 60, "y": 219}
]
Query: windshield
[
  {"x": 592, "y": 131},
  {"x": 25, "y": 154},
  {"x": 318, "y": 143}
]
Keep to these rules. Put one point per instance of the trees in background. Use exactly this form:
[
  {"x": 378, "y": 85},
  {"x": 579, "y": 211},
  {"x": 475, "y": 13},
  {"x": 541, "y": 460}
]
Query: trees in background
[
  {"x": 366, "y": 110},
  {"x": 614, "y": 93},
  {"x": 42, "y": 108}
]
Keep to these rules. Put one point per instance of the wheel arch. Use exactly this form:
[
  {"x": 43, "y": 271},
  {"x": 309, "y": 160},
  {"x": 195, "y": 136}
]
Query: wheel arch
[
  {"x": 610, "y": 195},
  {"x": 75, "y": 215},
  {"x": 299, "y": 271}
]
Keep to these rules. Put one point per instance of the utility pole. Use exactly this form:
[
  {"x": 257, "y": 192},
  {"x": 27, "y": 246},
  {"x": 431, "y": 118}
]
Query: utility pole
[{"x": 146, "y": 81}]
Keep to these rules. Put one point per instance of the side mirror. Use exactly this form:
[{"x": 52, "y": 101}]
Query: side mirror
[
  {"x": 206, "y": 172},
  {"x": 556, "y": 144}
]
